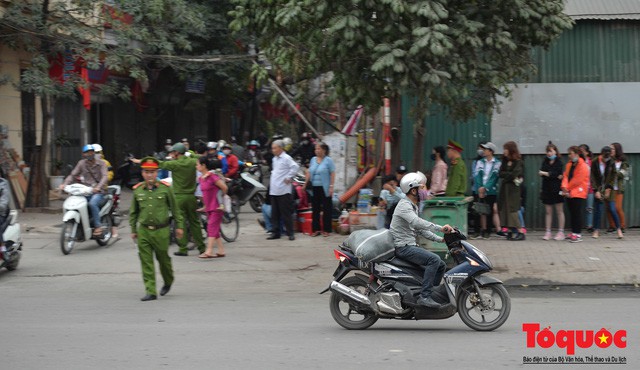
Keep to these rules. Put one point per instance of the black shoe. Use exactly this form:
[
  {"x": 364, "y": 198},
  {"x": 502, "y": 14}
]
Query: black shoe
[
  {"x": 610, "y": 230},
  {"x": 291, "y": 237},
  {"x": 502, "y": 234},
  {"x": 476, "y": 236},
  {"x": 519, "y": 236},
  {"x": 509, "y": 235},
  {"x": 486, "y": 235},
  {"x": 273, "y": 236},
  {"x": 428, "y": 302},
  {"x": 165, "y": 289},
  {"x": 148, "y": 297},
  {"x": 182, "y": 254}
]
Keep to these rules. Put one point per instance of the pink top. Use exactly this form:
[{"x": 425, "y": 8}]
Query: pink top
[
  {"x": 210, "y": 192},
  {"x": 439, "y": 178}
]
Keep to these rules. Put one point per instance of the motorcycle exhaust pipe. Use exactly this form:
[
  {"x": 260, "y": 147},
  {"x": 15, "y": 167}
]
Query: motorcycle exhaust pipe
[{"x": 349, "y": 293}]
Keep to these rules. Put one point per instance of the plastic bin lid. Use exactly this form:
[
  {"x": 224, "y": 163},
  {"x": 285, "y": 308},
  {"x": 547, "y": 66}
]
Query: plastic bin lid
[{"x": 448, "y": 201}]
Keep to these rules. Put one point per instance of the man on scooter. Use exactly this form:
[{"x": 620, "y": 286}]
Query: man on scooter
[
  {"x": 4, "y": 213},
  {"x": 92, "y": 173},
  {"x": 405, "y": 227}
]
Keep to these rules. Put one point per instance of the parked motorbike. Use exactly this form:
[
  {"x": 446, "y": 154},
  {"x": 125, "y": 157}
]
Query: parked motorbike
[
  {"x": 76, "y": 227},
  {"x": 127, "y": 174},
  {"x": 248, "y": 189},
  {"x": 12, "y": 240},
  {"x": 392, "y": 288}
]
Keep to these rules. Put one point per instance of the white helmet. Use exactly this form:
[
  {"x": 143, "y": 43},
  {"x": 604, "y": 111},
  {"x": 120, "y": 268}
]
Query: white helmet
[
  {"x": 410, "y": 181},
  {"x": 97, "y": 148},
  {"x": 212, "y": 145},
  {"x": 423, "y": 178},
  {"x": 221, "y": 143},
  {"x": 288, "y": 143}
]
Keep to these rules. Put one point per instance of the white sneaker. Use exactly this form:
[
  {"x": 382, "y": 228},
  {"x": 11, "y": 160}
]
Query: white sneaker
[
  {"x": 547, "y": 236},
  {"x": 559, "y": 236}
]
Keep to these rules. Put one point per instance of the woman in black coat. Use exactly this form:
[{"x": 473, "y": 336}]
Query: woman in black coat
[{"x": 551, "y": 174}]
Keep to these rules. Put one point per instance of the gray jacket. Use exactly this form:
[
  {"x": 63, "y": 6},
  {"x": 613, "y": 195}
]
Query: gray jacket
[
  {"x": 4, "y": 197},
  {"x": 406, "y": 225}
]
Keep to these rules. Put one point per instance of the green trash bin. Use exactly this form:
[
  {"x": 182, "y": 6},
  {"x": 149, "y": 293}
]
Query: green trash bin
[{"x": 443, "y": 211}]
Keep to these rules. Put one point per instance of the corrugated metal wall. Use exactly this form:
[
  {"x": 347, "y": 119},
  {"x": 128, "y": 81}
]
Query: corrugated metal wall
[
  {"x": 593, "y": 51},
  {"x": 438, "y": 130}
]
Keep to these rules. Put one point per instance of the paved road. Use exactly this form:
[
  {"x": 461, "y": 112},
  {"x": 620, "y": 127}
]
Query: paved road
[{"x": 256, "y": 308}]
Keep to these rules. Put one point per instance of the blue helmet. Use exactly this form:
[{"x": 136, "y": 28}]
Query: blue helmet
[{"x": 87, "y": 148}]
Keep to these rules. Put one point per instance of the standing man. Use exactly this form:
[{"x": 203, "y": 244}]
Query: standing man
[
  {"x": 284, "y": 169},
  {"x": 149, "y": 220},
  {"x": 457, "y": 181},
  {"x": 183, "y": 173},
  {"x": 92, "y": 173}
]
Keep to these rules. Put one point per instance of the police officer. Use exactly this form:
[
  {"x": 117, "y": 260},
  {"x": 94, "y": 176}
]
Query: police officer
[
  {"x": 183, "y": 173},
  {"x": 149, "y": 220}
]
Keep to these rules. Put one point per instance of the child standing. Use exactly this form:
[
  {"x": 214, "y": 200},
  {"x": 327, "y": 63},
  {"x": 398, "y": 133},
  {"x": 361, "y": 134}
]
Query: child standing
[{"x": 212, "y": 185}]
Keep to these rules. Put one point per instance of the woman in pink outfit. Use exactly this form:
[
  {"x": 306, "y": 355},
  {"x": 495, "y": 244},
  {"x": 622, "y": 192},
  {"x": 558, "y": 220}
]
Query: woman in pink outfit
[
  {"x": 211, "y": 186},
  {"x": 439, "y": 172}
]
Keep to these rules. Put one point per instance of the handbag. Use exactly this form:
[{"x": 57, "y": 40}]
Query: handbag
[{"x": 481, "y": 208}]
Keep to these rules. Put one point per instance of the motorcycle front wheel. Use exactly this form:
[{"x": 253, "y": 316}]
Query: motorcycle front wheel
[
  {"x": 486, "y": 316},
  {"x": 344, "y": 313},
  {"x": 68, "y": 236},
  {"x": 256, "y": 202},
  {"x": 107, "y": 224}
]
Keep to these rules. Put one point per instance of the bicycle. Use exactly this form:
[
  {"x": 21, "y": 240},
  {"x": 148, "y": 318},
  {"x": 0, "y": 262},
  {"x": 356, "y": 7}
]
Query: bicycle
[{"x": 229, "y": 228}]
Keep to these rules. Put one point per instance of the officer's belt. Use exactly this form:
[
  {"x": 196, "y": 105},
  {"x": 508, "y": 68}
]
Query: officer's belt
[{"x": 154, "y": 227}]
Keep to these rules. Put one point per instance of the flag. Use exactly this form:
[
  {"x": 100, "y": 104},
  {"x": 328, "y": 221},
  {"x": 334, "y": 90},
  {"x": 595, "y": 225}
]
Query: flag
[
  {"x": 85, "y": 91},
  {"x": 350, "y": 128}
]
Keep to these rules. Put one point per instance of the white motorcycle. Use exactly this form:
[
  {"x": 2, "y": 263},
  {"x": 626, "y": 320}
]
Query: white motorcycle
[
  {"x": 76, "y": 226},
  {"x": 12, "y": 240}
]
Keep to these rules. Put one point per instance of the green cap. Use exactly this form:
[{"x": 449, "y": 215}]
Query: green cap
[{"x": 179, "y": 147}]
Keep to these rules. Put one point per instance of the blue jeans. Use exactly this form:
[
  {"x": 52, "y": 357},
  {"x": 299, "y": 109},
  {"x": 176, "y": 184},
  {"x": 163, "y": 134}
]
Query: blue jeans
[
  {"x": 266, "y": 215},
  {"x": 433, "y": 266},
  {"x": 599, "y": 210},
  {"x": 94, "y": 208}
]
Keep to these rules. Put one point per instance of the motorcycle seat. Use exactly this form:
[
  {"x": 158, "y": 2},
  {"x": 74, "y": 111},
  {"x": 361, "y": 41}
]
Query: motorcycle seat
[{"x": 399, "y": 262}]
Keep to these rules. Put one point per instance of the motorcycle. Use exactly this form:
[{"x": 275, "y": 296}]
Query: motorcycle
[
  {"x": 127, "y": 174},
  {"x": 12, "y": 240},
  {"x": 248, "y": 189},
  {"x": 392, "y": 288},
  {"x": 76, "y": 227}
]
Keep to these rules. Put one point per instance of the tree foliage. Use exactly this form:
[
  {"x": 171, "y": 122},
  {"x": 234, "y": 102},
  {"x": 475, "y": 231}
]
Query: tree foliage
[
  {"x": 127, "y": 37},
  {"x": 457, "y": 53}
]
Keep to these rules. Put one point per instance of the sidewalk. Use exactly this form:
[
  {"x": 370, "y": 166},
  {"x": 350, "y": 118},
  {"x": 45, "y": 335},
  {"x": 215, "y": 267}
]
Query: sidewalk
[{"x": 603, "y": 261}]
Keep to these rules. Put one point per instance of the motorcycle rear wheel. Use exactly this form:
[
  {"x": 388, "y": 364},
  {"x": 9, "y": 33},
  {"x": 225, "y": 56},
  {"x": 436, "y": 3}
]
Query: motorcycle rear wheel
[
  {"x": 338, "y": 305},
  {"x": 68, "y": 241},
  {"x": 256, "y": 202},
  {"x": 474, "y": 315},
  {"x": 107, "y": 223}
]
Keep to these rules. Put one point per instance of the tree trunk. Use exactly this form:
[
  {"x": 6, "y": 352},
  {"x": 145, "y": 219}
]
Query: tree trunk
[{"x": 38, "y": 191}]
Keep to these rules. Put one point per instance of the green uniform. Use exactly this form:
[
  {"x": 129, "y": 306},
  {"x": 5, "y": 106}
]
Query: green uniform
[
  {"x": 149, "y": 218},
  {"x": 183, "y": 173},
  {"x": 457, "y": 182}
]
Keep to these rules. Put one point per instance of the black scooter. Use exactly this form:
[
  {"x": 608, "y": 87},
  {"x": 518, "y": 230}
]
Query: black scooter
[
  {"x": 391, "y": 289},
  {"x": 128, "y": 173}
]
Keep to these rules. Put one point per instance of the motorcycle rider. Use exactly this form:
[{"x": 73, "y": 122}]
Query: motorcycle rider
[
  {"x": 233, "y": 164},
  {"x": 406, "y": 225},
  {"x": 100, "y": 155},
  {"x": 4, "y": 213},
  {"x": 92, "y": 173},
  {"x": 306, "y": 150}
]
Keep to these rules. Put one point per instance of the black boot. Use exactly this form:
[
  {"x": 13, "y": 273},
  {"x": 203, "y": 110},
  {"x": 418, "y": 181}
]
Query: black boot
[{"x": 519, "y": 236}]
